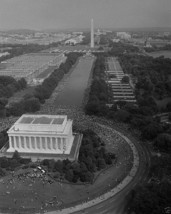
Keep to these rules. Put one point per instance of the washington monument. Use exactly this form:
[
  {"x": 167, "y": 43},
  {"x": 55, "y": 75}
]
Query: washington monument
[{"x": 92, "y": 33}]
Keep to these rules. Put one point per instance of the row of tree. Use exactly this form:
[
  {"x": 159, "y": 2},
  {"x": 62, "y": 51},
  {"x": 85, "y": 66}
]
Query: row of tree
[
  {"x": 141, "y": 116},
  {"x": 32, "y": 102},
  {"x": 100, "y": 93},
  {"x": 8, "y": 86},
  {"x": 10, "y": 164}
]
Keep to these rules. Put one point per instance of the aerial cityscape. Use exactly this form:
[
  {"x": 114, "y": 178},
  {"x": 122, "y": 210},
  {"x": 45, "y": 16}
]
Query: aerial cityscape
[{"x": 85, "y": 107}]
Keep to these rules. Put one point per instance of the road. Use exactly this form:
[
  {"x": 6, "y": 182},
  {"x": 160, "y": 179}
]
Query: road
[{"x": 118, "y": 203}]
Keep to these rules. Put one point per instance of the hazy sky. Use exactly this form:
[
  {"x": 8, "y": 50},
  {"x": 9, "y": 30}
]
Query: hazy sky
[{"x": 58, "y": 14}]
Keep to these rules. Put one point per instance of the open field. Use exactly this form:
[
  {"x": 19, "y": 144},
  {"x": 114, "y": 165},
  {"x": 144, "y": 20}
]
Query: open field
[
  {"x": 166, "y": 54},
  {"x": 30, "y": 65},
  {"x": 73, "y": 92},
  {"x": 46, "y": 72}
]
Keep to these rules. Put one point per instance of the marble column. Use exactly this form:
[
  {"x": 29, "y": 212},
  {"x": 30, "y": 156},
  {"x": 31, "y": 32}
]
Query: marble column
[
  {"x": 56, "y": 144},
  {"x": 59, "y": 143},
  {"x": 25, "y": 144},
  {"x": 20, "y": 140},
  {"x": 15, "y": 146},
  {"x": 37, "y": 143},
  {"x": 43, "y": 142},
  {"x": 17, "y": 143},
  {"x": 10, "y": 142},
  {"x": 63, "y": 144},
  {"x": 40, "y": 140},
  {"x": 51, "y": 143},
  {"x": 30, "y": 143},
  {"x": 46, "y": 143}
]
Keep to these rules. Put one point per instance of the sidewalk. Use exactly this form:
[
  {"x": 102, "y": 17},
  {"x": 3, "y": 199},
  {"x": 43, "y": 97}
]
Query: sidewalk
[{"x": 113, "y": 191}]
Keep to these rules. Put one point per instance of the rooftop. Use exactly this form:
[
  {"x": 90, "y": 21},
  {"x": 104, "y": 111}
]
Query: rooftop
[{"x": 42, "y": 119}]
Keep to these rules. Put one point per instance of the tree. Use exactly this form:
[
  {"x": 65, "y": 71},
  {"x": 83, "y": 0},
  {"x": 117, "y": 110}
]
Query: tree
[
  {"x": 169, "y": 106},
  {"x": 92, "y": 108},
  {"x": 69, "y": 175},
  {"x": 163, "y": 142},
  {"x": 83, "y": 167},
  {"x": 4, "y": 162},
  {"x": 3, "y": 101},
  {"x": 151, "y": 198},
  {"x": 122, "y": 115},
  {"x": 2, "y": 172},
  {"x": 31, "y": 105},
  {"x": 125, "y": 79},
  {"x": 108, "y": 159},
  {"x": 16, "y": 108},
  {"x": 59, "y": 166},
  {"x": 2, "y": 111},
  {"x": 45, "y": 162},
  {"x": 16, "y": 155},
  {"x": 89, "y": 164},
  {"x": 151, "y": 131},
  {"x": 22, "y": 83},
  {"x": 89, "y": 177},
  {"x": 101, "y": 164}
]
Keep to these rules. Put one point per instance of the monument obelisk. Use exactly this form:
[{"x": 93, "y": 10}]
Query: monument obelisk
[{"x": 92, "y": 33}]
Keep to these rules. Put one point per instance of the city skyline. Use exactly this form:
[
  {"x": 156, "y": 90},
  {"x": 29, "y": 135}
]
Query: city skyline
[{"x": 64, "y": 14}]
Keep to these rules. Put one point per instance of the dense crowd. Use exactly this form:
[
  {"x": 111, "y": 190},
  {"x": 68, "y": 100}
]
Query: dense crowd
[{"x": 30, "y": 177}]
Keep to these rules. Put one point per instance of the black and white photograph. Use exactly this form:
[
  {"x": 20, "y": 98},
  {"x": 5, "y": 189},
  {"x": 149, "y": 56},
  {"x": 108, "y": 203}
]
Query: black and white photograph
[{"x": 85, "y": 106}]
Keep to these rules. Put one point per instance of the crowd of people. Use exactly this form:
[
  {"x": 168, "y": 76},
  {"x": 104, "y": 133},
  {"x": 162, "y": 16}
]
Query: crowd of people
[
  {"x": 104, "y": 128},
  {"x": 30, "y": 178}
]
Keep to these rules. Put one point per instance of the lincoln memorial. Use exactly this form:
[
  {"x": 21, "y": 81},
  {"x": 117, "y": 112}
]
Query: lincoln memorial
[{"x": 41, "y": 134}]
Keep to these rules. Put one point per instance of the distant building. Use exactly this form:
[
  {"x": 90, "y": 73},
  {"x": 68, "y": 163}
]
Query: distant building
[
  {"x": 4, "y": 54},
  {"x": 123, "y": 35},
  {"x": 116, "y": 40},
  {"x": 75, "y": 40},
  {"x": 42, "y": 136}
]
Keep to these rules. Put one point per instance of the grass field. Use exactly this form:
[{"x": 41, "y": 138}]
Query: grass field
[
  {"x": 46, "y": 72},
  {"x": 166, "y": 54}
]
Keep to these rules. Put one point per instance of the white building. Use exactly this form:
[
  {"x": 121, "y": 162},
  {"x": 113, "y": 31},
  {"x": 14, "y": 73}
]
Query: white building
[
  {"x": 75, "y": 40},
  {"x": 4, "y": 54},
  {"x": 41, "y": 134},
  {"x": 123, "y": 35}
]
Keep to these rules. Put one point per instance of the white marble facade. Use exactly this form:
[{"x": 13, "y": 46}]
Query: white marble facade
[{"x": 41, "y": 134}]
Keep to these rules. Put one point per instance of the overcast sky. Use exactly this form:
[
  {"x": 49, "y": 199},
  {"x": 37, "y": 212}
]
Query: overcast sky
[{"x": 62, "y": 14}]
